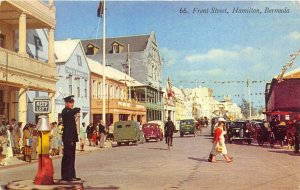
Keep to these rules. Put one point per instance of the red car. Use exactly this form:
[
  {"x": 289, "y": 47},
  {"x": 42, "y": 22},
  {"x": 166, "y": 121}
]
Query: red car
[{"x": 152, "y": 131}]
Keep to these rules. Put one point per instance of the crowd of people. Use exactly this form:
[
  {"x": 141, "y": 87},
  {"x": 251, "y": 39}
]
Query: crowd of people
[{"x": 16, "y": 140}]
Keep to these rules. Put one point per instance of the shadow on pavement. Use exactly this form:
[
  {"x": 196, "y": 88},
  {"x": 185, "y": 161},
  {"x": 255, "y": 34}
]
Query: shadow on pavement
[
  {"x": 289, "y": 152},
  {"x": 100, "y": 188},
  {"x": 198, "y": 159},
  {"x": 158, "y": 148}
]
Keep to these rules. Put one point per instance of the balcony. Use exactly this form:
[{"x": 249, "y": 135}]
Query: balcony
[
  {"x": 119, "y": 104},
  {"x": 41, "y": 14},
  {"x": 26, "y": 71}
]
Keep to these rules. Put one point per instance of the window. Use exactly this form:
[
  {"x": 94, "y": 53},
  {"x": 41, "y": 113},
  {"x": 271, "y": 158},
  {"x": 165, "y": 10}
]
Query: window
[
  {"x": 117, "y": 93},
  {"x": 2, "y": 38},
  {"x": 90, "y": 50},
  {"x": 78, "y": 87},
  {"x": 70, "y": 84},
  {"x": 106, "y": 91},
  {"x": 38, "y": 43},
  {"x": 116, "y": 49},
  {"x": 94, "y": 89},
  {"x": 79, "y": 61},
  {"x": 99, "y": 89},
  {"x": 85, "y": 88}
]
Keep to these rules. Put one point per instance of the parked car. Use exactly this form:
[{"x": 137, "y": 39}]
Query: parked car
[
  {"x": 238, "y": 131},
  {"x": 160, "y": 123},
  {"x": 128, "y": 131},
  {"x": 187, "y": 126},
  {"x": 152, "y": 131}
]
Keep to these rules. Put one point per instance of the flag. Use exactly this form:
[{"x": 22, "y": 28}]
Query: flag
[
  {"x": 100, "y": 9},
  {"x": 170, "y": 91}
]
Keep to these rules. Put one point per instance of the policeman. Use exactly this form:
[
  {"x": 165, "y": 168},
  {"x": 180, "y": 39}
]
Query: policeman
[{"x": 69, "y": 138}]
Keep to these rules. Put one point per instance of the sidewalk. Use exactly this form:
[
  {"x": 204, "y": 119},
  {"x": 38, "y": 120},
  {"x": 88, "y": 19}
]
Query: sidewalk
[{"x": 18, "y": 159}]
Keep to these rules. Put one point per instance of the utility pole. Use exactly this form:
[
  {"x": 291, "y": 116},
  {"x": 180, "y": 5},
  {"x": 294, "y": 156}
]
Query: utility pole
[
  {"x": 248, "y": 86},
  {"x": 129, "y": 73}
]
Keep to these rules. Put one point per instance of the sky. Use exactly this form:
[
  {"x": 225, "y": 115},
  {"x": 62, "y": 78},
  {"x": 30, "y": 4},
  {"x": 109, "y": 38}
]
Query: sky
[{"x": 204, "y": 49}]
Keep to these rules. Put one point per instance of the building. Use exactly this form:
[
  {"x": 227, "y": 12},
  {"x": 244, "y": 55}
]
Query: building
[
  {"x": 282, "y": 97},
  {"x": 21, "y": 68},
  {"x": 118, "y": 106},
  {"x": 74, "y": 78},
  {"x": 139, "y": 57}
]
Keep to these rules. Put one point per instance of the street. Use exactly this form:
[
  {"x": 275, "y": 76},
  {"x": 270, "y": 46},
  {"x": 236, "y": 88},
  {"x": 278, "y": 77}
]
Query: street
[{"x": 152, "y": 166}]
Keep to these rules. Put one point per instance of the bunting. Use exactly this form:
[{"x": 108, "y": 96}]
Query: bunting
[{"x": 287, "y": 66}]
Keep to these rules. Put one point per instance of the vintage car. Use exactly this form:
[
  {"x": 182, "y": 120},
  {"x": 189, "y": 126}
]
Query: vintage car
[
  {"x": 128, "y": 131},
  {"x": 152, "y": 131},
  {"x": 187, "y": 126},
  {"x": 160, "y": 123},
  {"x": 239, "y": 131}
]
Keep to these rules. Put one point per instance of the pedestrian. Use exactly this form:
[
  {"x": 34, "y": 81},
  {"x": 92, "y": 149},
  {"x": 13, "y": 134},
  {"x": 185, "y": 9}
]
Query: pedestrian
[
  {"x": 169, "y": 130},
  {"x": 27, "y": 143},
  {"x": 69, "y": 138},
  {"x": 218, "y": 146},
  {"x": 102, "y": 134},
  {"x": 54, "y": 139},
  {"x": 60, "y": 143},
  {"x": 16, "y": 135},
  {"x": 94, "y": 137},
  {"x": 34, "y": 144},
  {"x": 110, "y": 135},
  {"x": 82, "y": 136},
  {"x": 3, "y": 142},
  {"x": 89, "y": 132}
]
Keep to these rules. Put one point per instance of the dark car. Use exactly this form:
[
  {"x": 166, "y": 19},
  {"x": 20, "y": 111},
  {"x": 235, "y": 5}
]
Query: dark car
[
  {"x": 239, "y": 131},
  {"x": 187, "y": 127},
  {"x": 152, "y": 131}
]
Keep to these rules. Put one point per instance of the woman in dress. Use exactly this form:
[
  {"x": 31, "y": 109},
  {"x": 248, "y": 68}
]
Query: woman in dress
[{"x": 219, "y": 146}]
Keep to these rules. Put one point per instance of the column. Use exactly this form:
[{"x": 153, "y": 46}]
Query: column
[
  {"x": 115, "y": 118},
  {"x": 51, "y": 46},
  {"x": 22, "y": 106},
  {"x": 22, "y": 34},
  {"x": 52, "y": 101}
]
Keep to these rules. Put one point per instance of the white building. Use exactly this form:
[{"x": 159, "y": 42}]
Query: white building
[{"x": 74, "y": 77}]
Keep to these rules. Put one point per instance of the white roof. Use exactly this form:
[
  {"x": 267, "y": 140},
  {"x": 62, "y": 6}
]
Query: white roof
[
  {"x": 64, "y": 49},
  {"x": 112, "y": 73}
]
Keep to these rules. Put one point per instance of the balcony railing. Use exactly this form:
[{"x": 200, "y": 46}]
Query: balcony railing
[
  {"x": 26, "y": 65},
  {"x": 119, "y": 104}
]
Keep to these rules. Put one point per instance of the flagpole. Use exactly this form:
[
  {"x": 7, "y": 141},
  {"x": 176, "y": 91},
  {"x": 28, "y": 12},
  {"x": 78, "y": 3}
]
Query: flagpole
[{"x": 104, "y": 63}]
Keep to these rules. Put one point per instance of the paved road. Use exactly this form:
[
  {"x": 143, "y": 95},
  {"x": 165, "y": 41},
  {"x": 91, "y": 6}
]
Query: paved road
[{"x": 152, "y": 166}]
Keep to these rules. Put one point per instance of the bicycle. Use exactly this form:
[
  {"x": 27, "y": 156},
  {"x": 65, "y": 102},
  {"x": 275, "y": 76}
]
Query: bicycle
[{"x": 169, "y": 141}]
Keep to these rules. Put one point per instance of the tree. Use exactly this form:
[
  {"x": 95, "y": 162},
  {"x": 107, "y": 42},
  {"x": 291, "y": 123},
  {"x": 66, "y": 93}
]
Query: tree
[{"x": 245, "y": 109}]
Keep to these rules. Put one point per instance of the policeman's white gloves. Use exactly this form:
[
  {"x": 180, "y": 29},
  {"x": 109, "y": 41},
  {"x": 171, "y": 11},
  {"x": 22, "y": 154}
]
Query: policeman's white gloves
[{"x": 76, "y": 110}]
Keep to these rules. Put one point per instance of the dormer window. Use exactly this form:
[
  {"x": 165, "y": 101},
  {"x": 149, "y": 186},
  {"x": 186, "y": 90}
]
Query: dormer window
[
  {"x": 116, "y": 48},
  {"x": 91, "y": 49}
]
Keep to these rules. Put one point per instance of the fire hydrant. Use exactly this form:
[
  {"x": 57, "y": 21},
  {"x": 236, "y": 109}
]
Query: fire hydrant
[{"x": 45, "y": 172}]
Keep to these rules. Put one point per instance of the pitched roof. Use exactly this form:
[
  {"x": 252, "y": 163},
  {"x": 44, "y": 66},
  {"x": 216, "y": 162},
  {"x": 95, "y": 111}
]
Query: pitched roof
[
  {"x": 64, "y": 49},
  {"x": 111, "y": 73},
  {"x": 137, "y": 43}
]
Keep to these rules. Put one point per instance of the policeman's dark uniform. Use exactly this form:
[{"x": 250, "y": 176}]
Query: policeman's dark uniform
[{"x": 69, "y": 138}]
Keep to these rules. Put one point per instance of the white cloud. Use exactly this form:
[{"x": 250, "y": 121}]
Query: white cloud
[
  {"x": 170, "y": 56},
  {"x": 294, "y": 35},
  {"x": 216, "y": 55}
]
